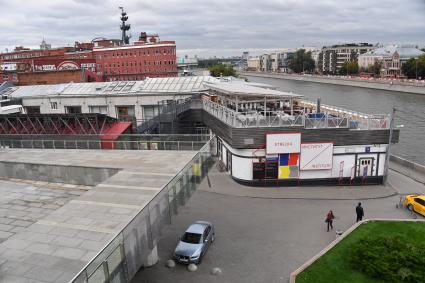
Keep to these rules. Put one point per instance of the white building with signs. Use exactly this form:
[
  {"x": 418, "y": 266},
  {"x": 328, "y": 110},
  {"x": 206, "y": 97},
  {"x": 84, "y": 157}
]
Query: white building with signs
[{"x": 264, "y": 136}]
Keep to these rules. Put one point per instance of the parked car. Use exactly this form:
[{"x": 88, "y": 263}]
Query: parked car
[
  {"x": 194, "y": 242},
  {"x": 415, "y": 203}
]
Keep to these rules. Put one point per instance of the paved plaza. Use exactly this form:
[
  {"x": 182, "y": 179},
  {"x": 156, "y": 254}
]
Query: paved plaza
[
  {"x": 49, "y": 234},
  {"x": 24, "y": 202},
  {"x": 264, "y": 236}
]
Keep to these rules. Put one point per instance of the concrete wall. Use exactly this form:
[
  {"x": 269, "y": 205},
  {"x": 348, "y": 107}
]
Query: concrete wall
[
  {"x": 89, "y": 176},
  {"x": 99, "y": 100},
  {"x": 384, "y": 85},
  {"x": 413, "y": 170},
  {"x": 54, "y": 77}
]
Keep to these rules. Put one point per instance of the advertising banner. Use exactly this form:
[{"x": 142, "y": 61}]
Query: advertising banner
[
  {"x": 289, "y": 165},
  {"x": 277, "y": 143},
  {"x": 316, "y": 156}
]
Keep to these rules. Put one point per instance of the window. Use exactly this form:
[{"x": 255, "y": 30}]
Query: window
[
  {"x": 191, "y": 238},
  {"x": 150, "y": 111},
  {"x": 101, "y": 109},
  {"x": 206, "y": 232},
  {"x": 32, "y": 109},
  {"x": 53, "y": 105},
  {"x": 72, "y": 109}
]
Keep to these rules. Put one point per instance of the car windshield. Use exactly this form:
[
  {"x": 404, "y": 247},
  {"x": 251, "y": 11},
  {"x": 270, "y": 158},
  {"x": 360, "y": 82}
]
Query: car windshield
[{"x": 191, "y": 238}]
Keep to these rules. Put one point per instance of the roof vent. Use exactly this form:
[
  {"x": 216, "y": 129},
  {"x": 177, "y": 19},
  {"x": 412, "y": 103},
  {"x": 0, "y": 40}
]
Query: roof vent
[{"x": 98, "y": 88}]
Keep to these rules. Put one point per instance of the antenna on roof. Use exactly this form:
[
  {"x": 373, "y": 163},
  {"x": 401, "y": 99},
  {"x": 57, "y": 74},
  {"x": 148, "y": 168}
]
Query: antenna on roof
[{"x": 124, "y": 27}]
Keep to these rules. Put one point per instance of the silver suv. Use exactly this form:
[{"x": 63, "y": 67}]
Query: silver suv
[{"x": 194, "y": 242}]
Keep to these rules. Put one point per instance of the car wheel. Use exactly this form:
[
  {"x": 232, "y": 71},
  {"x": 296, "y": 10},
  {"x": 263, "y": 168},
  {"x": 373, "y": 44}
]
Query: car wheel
[
  {"x": 410, "y": 207},
  {"x": 212, "y": 238},
  {"x": 199, "y": 260}
]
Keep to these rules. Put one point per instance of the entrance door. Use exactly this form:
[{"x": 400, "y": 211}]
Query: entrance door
[
  {"x": 229, "y": 162},
  {"x": 125, "y": 112},
  {"x": 365, "y": 167}
]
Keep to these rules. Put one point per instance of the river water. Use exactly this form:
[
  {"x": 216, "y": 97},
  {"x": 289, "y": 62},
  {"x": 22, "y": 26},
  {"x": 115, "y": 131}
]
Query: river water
[{"x": 410, "y": 109}]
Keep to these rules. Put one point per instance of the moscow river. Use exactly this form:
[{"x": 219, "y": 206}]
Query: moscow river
[{"x": 410, "y": 109}]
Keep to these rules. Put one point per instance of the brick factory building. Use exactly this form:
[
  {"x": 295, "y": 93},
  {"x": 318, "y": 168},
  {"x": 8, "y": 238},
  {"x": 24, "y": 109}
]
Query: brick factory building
[
  {"x": 100, "y": 60},
  {"x": 148, "y": 57}
]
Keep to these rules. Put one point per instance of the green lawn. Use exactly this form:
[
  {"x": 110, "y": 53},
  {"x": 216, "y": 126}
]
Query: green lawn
[{"x": 334, "y": 265}]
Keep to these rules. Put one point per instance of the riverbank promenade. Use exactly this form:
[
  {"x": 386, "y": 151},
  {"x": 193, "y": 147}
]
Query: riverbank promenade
[{"x": 409, "y": 86}]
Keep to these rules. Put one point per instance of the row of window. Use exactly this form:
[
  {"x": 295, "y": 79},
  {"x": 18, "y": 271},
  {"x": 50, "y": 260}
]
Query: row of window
[
  {"x": 149, "y": 111},
  {"x": 137, "y": 71},
  {"x": 147, "y": 52},
  {"x": 131, "y": 64},
  {"x": 137, "y": 77}
]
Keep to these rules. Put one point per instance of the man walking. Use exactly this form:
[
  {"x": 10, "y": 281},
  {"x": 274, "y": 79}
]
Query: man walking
[{"x": 359, "y": 212}]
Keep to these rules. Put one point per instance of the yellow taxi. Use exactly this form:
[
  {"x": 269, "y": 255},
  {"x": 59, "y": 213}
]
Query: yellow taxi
[{"x": 415, "y": 203}]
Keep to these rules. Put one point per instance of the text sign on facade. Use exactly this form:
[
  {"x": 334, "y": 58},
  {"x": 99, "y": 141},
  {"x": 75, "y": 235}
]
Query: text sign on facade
[
  {"x": 283, "y": 143},
  {"x": 316, "y": 156}
]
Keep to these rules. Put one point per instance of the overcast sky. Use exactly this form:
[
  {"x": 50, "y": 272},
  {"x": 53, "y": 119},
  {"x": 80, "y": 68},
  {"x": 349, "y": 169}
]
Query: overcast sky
[{"x": 216, "y": 27}]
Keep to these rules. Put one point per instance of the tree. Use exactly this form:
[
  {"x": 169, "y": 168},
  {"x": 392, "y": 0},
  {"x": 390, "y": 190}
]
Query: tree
[
  {"x": 301, "y": 61},
  {"x": 349, "y": 68},
  {"x": 376, "y": 68},
  {"x": 222, "y": 70},
  {"x": 414, "y": 68}
]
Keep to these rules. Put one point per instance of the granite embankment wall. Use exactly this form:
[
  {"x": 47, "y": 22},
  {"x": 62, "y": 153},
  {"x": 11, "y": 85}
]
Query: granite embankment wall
[
  {"x": 411, "y": 169},
  {"x": 408, "y": 87}
]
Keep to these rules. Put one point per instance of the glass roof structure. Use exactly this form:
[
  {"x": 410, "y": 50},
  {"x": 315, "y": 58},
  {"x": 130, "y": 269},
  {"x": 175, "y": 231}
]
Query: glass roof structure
[
  {"x": 150, "y": 85},
  {"x": 177, "y": 84}
]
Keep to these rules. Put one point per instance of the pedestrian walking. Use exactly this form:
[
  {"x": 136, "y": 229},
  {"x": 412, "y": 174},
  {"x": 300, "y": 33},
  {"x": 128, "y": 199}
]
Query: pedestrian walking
[
  {"x": 329, "y": 219},
  {"x": 359, "y": 212}
]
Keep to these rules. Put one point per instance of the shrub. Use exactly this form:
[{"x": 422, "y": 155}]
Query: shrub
[{"x": 389, "y": 258}]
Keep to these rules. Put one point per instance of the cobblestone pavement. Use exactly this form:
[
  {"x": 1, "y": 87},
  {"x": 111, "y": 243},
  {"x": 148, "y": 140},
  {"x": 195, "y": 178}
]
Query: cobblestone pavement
[{"x": 24, "y": 202}]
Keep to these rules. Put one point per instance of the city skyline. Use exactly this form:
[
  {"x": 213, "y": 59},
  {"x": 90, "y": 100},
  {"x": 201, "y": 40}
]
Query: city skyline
[{"x": 221, "y": 28}]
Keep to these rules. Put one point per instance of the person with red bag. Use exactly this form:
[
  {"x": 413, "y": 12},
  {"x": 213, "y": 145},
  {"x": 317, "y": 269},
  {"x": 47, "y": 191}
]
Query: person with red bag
[{"x": 329, "y": 219}]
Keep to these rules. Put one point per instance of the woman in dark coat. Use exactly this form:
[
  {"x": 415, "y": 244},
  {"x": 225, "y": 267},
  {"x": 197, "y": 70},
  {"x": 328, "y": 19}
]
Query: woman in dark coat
[{"x": 329, "y": 219}]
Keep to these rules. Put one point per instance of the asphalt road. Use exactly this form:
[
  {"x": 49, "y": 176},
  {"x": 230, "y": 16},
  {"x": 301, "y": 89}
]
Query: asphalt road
[{"x": 258, "y": 240}]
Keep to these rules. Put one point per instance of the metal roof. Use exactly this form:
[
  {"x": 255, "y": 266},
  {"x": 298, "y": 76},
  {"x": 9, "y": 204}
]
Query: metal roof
[
  {"x": 150, "y": 85},
  {"x": 177, "y": 84},
  {"x": 239, "y": 88}
]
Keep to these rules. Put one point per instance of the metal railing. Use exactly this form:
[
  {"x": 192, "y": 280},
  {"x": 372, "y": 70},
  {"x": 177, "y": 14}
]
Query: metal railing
[
  {"x": 97, "y": 144},
  {"x": 332, "y": 117},
  {"x": 93, "y": 142},
  {"x": 123, "y": 256}
]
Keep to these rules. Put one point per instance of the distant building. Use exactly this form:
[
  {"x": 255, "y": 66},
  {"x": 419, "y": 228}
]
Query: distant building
[
  {"x": 148, "y": 57},
  {"x": 392, "y": 58},
  {"x": 253, "y": 64},
  {"x": 331, "y": 58}
]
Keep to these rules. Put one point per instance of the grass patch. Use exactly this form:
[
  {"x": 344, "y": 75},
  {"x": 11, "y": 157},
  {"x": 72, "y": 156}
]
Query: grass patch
[{"x": 343, "y": 263}]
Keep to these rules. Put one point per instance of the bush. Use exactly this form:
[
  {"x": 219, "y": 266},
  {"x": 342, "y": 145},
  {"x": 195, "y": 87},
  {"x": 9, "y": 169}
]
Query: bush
[{"x": 389, "y": 258}]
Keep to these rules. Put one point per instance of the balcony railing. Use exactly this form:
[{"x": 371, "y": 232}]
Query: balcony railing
[{"x": 332, "y": 117}]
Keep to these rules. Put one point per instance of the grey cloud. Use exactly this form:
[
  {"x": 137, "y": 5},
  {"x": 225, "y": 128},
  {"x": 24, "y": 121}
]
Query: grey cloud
[{"x": 212, "y": 27}]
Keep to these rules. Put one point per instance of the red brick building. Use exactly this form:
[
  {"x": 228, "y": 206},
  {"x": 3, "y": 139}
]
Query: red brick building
[
  {"x": 138, "y": 61},
  {"x": 102, "y": 60}
]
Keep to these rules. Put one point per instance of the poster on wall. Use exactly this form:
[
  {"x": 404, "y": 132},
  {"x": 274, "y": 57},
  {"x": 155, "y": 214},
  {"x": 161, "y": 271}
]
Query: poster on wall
[
  {"x": 316, "y": 156},
  {"x": 272, "y": 167},
  {"x": 289, "y": 165},
  {"x": 277, "y": 143},
  {"x": 258, "y": 172}
]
